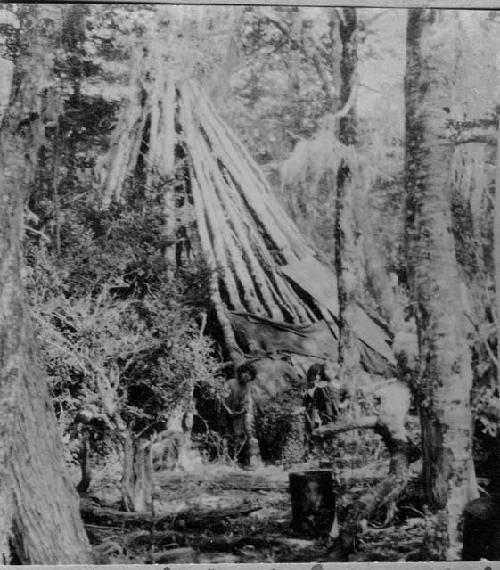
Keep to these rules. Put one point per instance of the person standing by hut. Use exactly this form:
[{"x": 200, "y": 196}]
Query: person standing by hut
[
  {"x": 238, "y": 417},
  {"x": 322, "y": 397},
  {"x": 329, "y": 393},
  {"x": 309, "y": 401}
]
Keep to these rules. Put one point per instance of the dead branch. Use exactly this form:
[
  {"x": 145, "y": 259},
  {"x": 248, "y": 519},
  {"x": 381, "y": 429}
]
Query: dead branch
[
  {"x": 326, "y": 430},
  {"x": 191, "y": 519}
]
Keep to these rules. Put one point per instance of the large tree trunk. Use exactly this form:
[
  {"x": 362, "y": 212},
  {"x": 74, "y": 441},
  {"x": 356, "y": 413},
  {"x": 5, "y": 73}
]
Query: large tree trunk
[
  {"x": 37, "y": 499},
  {"x": 446, "y": 377},
  {"x": 10, "y": 297},
  {"x": 11, "y": 308},
  {"x": 47, "y": 524}
]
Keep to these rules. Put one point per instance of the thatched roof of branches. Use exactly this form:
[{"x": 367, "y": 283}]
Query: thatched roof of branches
[{"x": 270, "y": 292}]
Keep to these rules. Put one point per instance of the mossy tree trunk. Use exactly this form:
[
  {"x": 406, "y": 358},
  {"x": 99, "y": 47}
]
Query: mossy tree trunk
[
  {"x": 446, "y": 376},
  {"x": 494, "y": 486},
  {"x": 38, "y": 504},
  {"x": 344, "y": 236}
]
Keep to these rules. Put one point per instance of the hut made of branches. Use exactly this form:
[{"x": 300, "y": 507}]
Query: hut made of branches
[{"x": 270, "y": 292}]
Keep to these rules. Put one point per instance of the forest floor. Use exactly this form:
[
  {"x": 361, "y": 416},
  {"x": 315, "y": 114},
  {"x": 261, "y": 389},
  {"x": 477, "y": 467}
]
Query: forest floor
[{"x": 224, "y": 514}]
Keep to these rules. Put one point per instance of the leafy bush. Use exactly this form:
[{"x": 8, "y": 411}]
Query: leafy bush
[
  {"x": 281, "y": 428},
  {"x": 120, "y": 334}
]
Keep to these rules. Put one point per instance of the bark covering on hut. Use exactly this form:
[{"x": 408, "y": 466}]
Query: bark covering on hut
[{"x": 271, "y": 294}]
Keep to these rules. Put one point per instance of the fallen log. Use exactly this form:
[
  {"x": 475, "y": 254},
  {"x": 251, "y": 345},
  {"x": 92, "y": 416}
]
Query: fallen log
[
  {"x": 233, "y": 544},
  {"x": 244, "y": 481},
  {"x": 162, "y": 540},
  {"x": 333, "y": 428},
  {"x": 183, "y": 555},
  {"x": 403, "y": 545},
  {"x": 182, "y": 520}
]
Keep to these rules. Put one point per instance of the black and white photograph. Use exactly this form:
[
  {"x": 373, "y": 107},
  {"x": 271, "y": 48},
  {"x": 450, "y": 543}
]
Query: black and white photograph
[{"x": 249, "y": 284}]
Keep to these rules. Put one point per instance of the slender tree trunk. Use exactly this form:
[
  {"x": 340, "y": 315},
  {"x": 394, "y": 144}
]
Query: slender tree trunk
[
  {"x": 55, "y": 190},
  {"x": 294, "y": 68},
  {"x": 84, "y": 461},
  {"x": 176, "y": 448},
  {"x": 494, "y": 485},
  {"x": 446, "y": 376},
  {"x": 137, "y": 481},
  {"x": 8, "y": 40},
  {"x": 37, "y": 500},
  {"x": 344, "y": 264},
  {"x": 496, "y": 230}
]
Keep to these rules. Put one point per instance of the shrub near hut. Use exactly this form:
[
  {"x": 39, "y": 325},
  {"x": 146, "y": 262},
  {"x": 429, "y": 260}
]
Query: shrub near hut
[{"x": 281, "y": 428}]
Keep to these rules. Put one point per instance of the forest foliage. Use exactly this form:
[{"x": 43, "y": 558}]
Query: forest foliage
[
  {"x": 126, "y": 329},
  {"x": 106, "y": 302}
]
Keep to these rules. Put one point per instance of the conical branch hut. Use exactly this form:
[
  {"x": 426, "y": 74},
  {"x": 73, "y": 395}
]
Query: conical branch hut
[{"x": 272, "y": 297}]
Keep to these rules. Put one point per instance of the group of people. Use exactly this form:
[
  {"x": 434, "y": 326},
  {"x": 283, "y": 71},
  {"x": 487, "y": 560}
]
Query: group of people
[{"x": 322, "y": 400}]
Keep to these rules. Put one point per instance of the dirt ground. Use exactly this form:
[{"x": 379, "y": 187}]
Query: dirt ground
[{"x": 222, "y": 513}]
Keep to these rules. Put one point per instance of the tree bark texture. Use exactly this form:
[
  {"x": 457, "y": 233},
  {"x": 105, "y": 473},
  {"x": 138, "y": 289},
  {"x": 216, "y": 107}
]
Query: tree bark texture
[
  {"x": 15, "y": 172},
  {"x": 8, "y": 41},
  {"x": 137, "y": 480},
  {"x": 38, "y": 504},
  {"x": 445, "y": 377},
  {"x": 494, "y": 486},
  {"x": 496, "y": 234},
  {"x": 47, "y": 524},
  {"x": 344, "y": 238},
  {"x": 12, "y": 165}
]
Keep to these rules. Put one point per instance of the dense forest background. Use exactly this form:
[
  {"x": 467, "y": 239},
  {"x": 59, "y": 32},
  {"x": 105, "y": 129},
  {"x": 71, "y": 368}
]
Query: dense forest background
[{"x": 105, "y": 280}]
